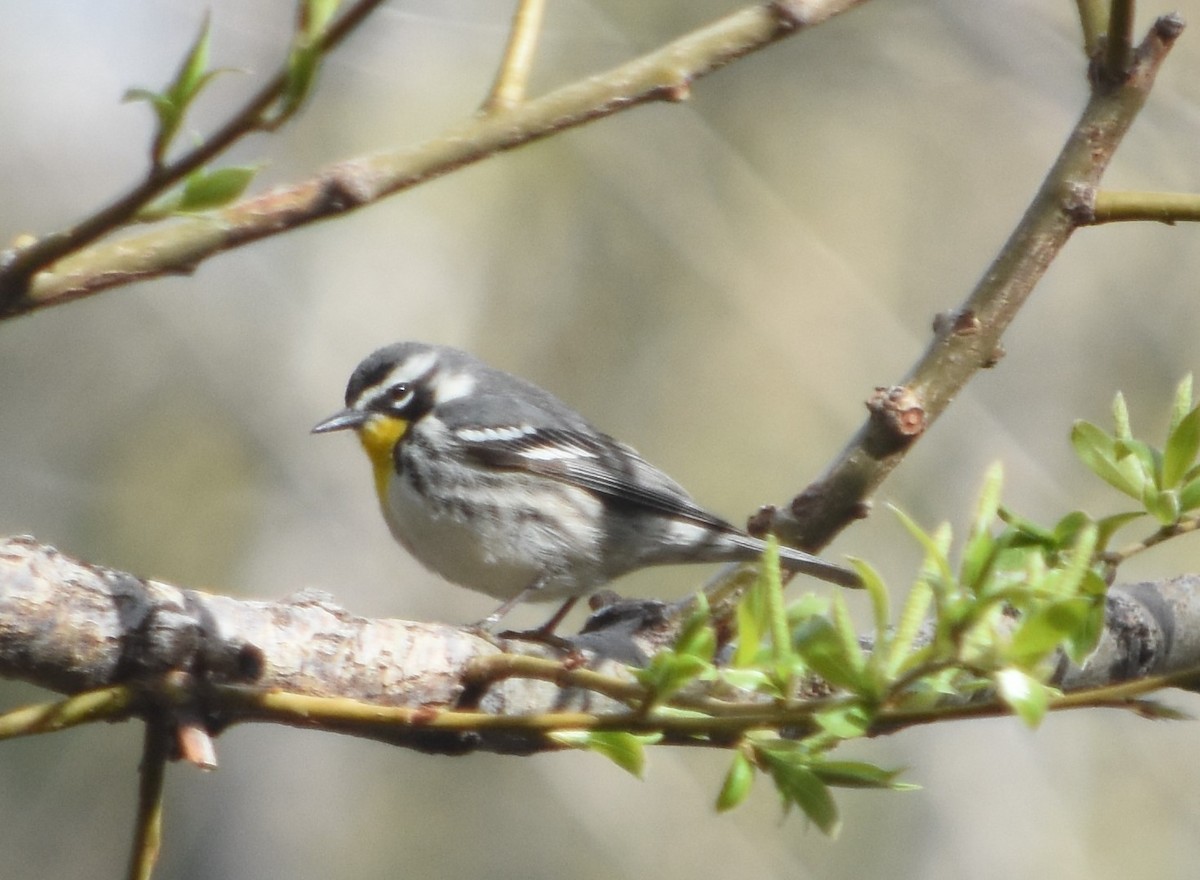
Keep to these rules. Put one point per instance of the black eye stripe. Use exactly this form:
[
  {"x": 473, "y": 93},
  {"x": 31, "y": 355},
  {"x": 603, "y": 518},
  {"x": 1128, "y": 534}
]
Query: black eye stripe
[{"x": 407, "y": 400}]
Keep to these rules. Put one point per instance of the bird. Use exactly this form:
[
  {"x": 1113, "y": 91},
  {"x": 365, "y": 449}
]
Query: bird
[{"x": 495, "y": 484}]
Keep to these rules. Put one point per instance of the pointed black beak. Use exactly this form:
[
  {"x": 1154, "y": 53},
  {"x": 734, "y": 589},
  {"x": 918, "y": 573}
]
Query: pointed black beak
[{"x": 347, "y": 418}]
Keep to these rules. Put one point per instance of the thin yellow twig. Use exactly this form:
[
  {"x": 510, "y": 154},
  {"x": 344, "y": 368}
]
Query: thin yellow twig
[
  {"x": 1120, "y": 40},
  {"x": 1092, "y": 18},
  {"x": 1113, "y": 206},
  {"x": 512, "y": 78},
  {"x": 147, "y": 838},
  {"x": 105, "y": 704},
  {"x": 1183, "y": 527}
]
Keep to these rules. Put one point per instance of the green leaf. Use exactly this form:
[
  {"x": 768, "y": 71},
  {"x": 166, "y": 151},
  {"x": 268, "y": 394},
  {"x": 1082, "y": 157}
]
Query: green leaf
[
  {"x": 315, "y": 16},
  {"x": 912, "y": 620},
  {"x": 755, "y": 680},
  {"x": 1098, "y": 452},
  {"x": 980, "y": 548},
  {"x": 1110, "y": 525},
  {"x": 1147, "y": 461},
  {"x": 1120, "y": 413},
  {"x": 771, "y": 577},
  {"x": 1083, "y": 640},
  {"x": 752, "y": 625},
  {"x": 1027, "y": 529},
  {"x": 1182, "y": 403},
  {"x": 1044, "y": 630},
  {"x": 696, "y": 636},
  {"x": 845, "y": 722},
  {"x": 302, "y": 67},
  {"x": 739, "y": 779},
  {"x": 170, "y": 105},
  {"x": 304, "y": 60},
  {"x": 881, "y": 602},
  {"x": 626, "y": 750},
  {"x": 192, "y": 73},
  {"x": 823, "y": 649},
  {"x": 668, "y": 672},
  {"x": 1189, "y": 495},
  {"x": 1067, "y": 529},
  {"x": 1180, "y": 452},
  {"x": 858, "y": 774},
  {"x": 936, "y": 565},
  {"x": 798, "y": 785},
  {"x": 1163, "y": 506},
  {"x": 851, "y": 646},
  {"x": 1024, "y": 694},
  {"x": 1065, "y": 580},
  {"x": 205, "y": 190}
]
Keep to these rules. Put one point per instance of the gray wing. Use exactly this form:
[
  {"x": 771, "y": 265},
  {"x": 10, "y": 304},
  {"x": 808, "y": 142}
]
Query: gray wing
[{"x": 592, "y": 461}]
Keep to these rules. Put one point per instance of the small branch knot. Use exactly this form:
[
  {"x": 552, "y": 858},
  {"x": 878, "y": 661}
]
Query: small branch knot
[{"x": 899, "y": 410}]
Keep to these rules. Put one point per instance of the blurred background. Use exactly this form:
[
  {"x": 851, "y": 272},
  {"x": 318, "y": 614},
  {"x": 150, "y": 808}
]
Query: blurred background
[{"x": 721, "y": 283}]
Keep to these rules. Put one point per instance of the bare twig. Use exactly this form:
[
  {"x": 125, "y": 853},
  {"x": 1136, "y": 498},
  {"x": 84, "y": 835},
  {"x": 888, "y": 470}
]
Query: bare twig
[
  {"x": 1119, "y": 42},
  {"x": 105, "y": 704},
  {"x": 147, "y": 838},
  {"x": 1183, "y": 527},
  {"x": 508, "y": 90},
  {"x": 1164, "y": 207},
  {"x": 1092, "y": 17}
]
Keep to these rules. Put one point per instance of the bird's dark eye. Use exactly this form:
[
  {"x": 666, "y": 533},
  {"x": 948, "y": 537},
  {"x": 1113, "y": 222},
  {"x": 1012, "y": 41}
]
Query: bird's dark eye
[{"x": 399, "y": 396}]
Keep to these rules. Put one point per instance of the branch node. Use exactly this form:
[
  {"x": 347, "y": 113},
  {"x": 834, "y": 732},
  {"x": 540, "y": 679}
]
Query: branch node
[
  {"x": 959, "y": 322},
  {"x": 792, "y": 14},
  {"x": 1168, "y": 27},
  {"x": 678, "y": 91},
  {"x": 194, "y": 745},
  {"x": 1080, "y": 203},
  {"x": 759, "y": 522},
  {"x": 899, "y": 410}
]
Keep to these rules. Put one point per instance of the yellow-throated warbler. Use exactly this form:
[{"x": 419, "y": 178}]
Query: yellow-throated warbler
[{"x": 497, "y": 485}]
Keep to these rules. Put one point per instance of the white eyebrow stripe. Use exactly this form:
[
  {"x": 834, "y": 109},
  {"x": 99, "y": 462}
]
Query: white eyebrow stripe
[
  {"x": 499, "y": 433},
  {"x": 411, "y": 368},
  {"x": 452, "y": 386}
]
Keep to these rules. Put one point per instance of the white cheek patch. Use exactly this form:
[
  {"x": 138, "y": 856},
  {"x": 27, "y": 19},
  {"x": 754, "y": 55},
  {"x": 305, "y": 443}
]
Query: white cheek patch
[
  {"x": 499, "y": 434},
  {"x": 452, "y": 386}
]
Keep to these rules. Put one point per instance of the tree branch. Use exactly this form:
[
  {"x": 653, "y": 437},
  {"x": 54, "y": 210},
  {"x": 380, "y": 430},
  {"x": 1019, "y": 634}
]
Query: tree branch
[
  {"x": 1111, "y": 206},
  {"x": 177, "y": 656},
  {"x": 511, "y": 79},
  {"x": 19, "y": 266},
  {"x": 967, "y": 339},
  {"x": 665, "y": 74}
]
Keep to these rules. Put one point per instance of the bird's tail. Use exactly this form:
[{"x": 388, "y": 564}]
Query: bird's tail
[{"x": 791, "y": 559}]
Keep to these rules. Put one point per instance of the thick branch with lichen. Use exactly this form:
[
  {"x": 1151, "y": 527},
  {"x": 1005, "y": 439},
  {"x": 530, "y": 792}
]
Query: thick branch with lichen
[{"x": 136, "y": 648}]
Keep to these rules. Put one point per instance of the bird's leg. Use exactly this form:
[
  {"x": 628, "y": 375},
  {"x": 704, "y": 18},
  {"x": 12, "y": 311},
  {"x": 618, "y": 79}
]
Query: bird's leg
[
  {"x": 547, "y": 629},
  {"x": 506, "y": 606},
  {"x": 513, "y": 601}
]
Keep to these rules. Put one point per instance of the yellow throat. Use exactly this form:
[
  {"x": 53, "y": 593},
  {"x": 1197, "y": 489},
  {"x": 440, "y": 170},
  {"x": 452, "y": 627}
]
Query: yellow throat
[{"x": 379, "y": 436}]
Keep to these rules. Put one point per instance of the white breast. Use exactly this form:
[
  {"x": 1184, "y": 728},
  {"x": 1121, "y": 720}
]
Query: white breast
[{"x": 542, "y": 538}]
